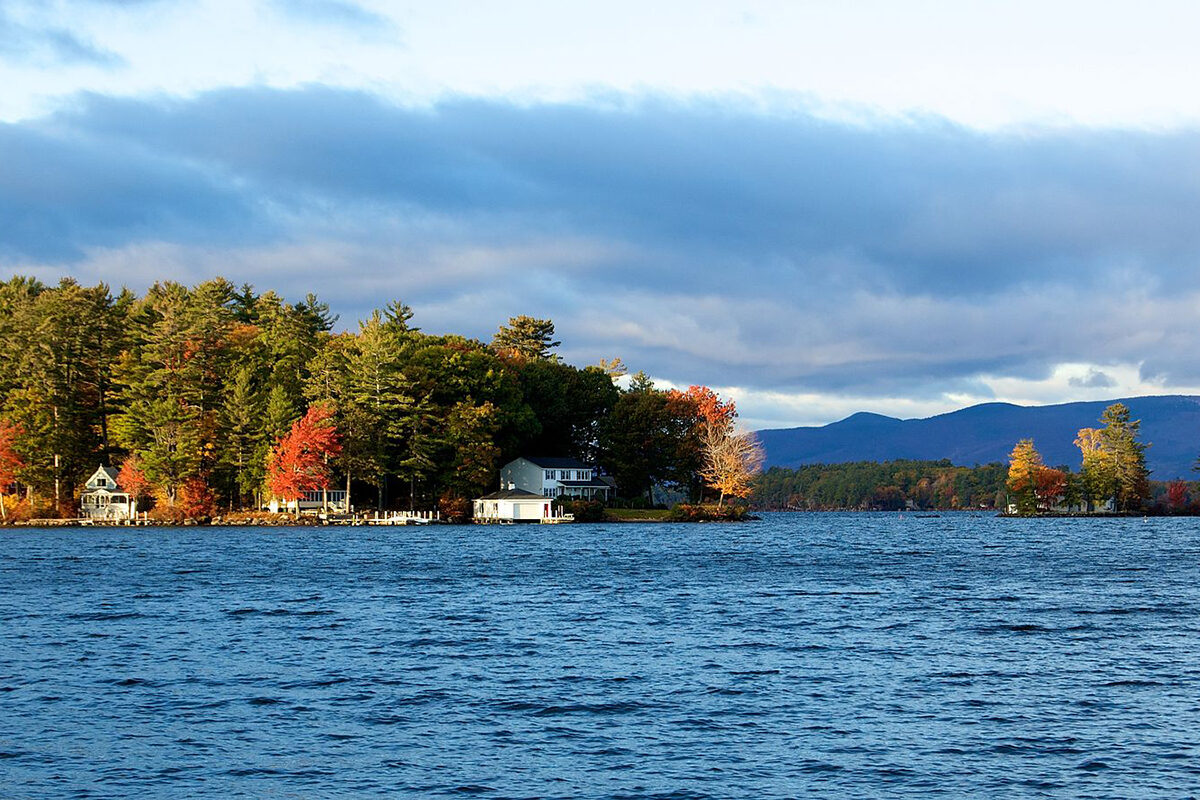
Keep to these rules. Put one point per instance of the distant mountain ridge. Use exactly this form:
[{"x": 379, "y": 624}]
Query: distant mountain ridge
[{"x": 987, "y": 432}]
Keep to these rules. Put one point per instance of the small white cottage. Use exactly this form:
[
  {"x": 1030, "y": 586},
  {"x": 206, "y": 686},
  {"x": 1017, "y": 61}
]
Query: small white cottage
[
  {"x": 332, "y": 500},
  {"x": 102, "y": 498},
  {"x": 512, "y": 505}
]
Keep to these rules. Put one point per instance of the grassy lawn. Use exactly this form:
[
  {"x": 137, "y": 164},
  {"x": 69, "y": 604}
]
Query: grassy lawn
[{"x": 637, "y": 514}]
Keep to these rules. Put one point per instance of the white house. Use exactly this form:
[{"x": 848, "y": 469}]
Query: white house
[
  {"x": 333, "y": 500},
  {"x": 102, "y": 498},
  {"x": 512, "y": 505},
  {"x": 556, "y": 477}
]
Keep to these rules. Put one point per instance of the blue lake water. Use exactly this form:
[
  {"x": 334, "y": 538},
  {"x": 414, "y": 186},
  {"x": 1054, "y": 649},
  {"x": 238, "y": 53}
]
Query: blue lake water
[{"x": 808, "y": 654}]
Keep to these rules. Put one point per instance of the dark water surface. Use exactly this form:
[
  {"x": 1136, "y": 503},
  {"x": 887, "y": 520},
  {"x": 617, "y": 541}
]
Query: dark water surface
[{"x": 830, "y": 655}]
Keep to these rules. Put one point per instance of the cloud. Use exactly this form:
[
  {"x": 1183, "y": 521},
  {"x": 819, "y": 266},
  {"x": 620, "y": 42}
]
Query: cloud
[
  {"x": 335, "y": 12},
  {"x": 61, "y": 196},
  {"x": 702, "y": 241},
  {"x": 50, "y": 44},
  {"x": 1094, "y": 379}
]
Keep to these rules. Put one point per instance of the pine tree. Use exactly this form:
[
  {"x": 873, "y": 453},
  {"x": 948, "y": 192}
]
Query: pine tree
[
  {"x": 244, "y": 433},
  {"x": 378, "y": 400},
  {"x": 526, "y": 337},
  {"x": 1128, "y": 456}
]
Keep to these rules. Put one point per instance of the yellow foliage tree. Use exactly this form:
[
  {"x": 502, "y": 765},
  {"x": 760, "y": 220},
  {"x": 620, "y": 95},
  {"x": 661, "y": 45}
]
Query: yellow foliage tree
[
  {"x": 1024, "y": 466},
  {"x": 730, "y": 460}
]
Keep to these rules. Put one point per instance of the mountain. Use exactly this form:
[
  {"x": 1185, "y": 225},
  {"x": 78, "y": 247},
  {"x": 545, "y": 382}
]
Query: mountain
[{"x": 985, "y": 433}]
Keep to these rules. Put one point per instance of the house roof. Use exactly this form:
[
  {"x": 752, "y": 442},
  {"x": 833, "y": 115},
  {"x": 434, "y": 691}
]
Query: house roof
[
  {"x": 556, "y": 463},
  {"x": 105, "y": 472},
  {"x": 512, "y": 494}
]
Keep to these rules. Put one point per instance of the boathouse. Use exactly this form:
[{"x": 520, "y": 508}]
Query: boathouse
[
  {"x": 512, "y": 505},
  {"x": 330, "y": 500}
]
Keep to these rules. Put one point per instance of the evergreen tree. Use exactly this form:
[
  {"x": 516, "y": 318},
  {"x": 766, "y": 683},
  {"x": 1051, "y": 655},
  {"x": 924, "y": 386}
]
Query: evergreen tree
[
  {"x": 243, "y": 443},
  {"x": 1127, "y": 456},
  {"x": 378, "y": 400},
  {"x": 526, "y": 337}
]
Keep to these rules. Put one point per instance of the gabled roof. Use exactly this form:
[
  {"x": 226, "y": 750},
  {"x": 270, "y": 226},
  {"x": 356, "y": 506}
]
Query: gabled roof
[
  {"x": 104, "y": 472},
  {"x": 513, "y": 494},
  {"x": 555, "y": 463}
]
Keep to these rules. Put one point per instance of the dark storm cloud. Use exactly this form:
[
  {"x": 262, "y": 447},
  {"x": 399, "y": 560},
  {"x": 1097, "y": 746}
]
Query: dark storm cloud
[
  {"x": 60, "y": 194},
  {"x": 698, "y": 239},
  {"x": 919, "y": 206}
]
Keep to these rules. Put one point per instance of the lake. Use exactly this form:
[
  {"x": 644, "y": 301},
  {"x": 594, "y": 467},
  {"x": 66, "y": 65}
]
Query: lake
[{"x": 836, "y": 655}]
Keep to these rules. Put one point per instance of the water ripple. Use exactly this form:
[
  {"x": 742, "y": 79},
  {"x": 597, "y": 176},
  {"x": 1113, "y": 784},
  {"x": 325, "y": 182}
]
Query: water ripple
[{"x": 818, "y": 655}]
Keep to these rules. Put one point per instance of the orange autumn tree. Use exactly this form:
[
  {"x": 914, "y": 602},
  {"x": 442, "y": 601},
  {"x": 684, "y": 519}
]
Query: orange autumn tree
[
  {"x": 1034, "y": 486},
  {"x": 299, "y": 463},
  {"x": 710, "y": 408},
  {"x": 728, "y": 460},
  {"x": 10, "y": 462},
  {"x": 133, "y": 481}
]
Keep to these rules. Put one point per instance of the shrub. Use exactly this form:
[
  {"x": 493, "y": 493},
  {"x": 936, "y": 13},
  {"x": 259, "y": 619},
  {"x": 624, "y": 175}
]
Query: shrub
[
  {"x": 707, "y": 513},
  {"x": 455, "y": 509}
]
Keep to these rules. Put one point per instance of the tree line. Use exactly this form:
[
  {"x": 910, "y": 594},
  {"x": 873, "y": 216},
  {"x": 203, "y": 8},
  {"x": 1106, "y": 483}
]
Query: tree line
[
  {"x": 213, "y": 396},
  {"x": 880, "y": 486}
]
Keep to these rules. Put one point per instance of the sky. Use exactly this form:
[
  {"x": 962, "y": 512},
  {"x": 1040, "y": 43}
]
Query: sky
[{"x": 817, "y": 207}]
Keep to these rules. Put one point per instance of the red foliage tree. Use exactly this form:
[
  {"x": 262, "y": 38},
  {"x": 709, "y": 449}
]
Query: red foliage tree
[
  {"x": 10, "y": 462},
  {"x": 299, "y": 463},
  {"x": 1049, "y": 486},
  {"x": 132, "y": 478},
  {"x": 196, "y": 499},
  {"x": 1177, "y": 494}
]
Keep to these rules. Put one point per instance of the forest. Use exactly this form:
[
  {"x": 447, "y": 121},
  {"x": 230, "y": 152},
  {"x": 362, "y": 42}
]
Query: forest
[
  {"x": 881, "y": 486},
  {"x": 197, "y": 393}
]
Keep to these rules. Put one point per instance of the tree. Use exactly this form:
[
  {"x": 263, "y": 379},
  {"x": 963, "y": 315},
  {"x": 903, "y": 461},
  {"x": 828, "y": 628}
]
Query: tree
[
  {"x": 299, "y": 463},
  {"x": 242, "y": 452},
  {"x": 397, "y": 315},
  {"x": 649, "y": 439},
  {"x": 614, "y": 368},
  {"x": 171, "y": 454},
  {"x": 1128, "y": 456},
  {"x": 1050, "y": 485},
  {"x": 1177, "y": 494},
  {"x": 10, "y": 461},
  {"x": 730, "y": 460},
  {"x": 1114, "y": 461},
  {"x": 710, "y": 408},
  {"x": 470, "y": 430},
  {"x": 378, "y": 398},
  {"x": 526, "y": 337},
  {"x": 1024, "y": 466},
  {"x": 132, "y": 478}
]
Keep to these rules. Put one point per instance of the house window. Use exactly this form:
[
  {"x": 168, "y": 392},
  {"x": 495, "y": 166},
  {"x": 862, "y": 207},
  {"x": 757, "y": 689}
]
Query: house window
[{"x": 102, "y": 481}]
